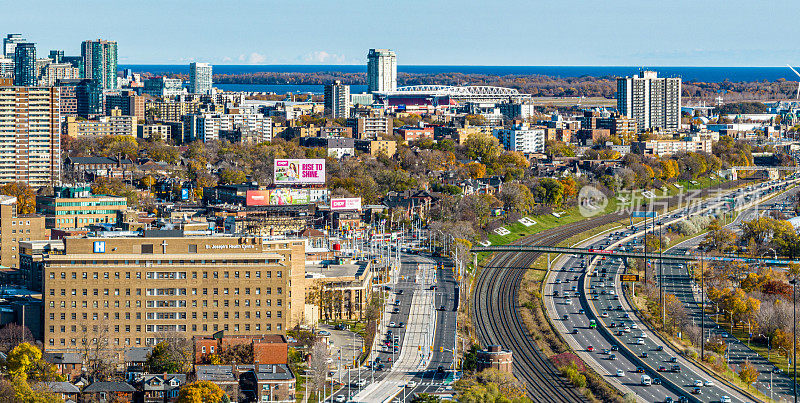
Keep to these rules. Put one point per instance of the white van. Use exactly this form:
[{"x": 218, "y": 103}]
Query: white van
[
  {"x": 646, "y": 381},
  {"x": 568, "y": 301}
]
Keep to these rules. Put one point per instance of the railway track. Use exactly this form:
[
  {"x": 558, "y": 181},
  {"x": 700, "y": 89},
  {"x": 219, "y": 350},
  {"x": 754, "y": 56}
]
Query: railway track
[{"x": 496, "y": 310}]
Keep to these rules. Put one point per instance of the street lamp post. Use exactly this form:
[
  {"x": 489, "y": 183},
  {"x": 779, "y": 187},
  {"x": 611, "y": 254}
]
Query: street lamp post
[{"x": 794, "y": 336}]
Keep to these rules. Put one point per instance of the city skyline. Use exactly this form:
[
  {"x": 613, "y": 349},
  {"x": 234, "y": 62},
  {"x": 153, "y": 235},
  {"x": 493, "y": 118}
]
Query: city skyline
[{"x": 544, "y": 34}]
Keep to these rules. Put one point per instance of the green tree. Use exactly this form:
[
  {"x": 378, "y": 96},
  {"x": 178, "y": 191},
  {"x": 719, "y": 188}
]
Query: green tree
[
  {"x": 25, "y": 362},
  {"x": 161, "y": 360},
  {"x": 748, "y": 372},
  {"x": 426, "y": 398},
  {"x": 483, "y": 147},
  {"x": 200, "y": 392},
  {"x": 232, "y": 177}
]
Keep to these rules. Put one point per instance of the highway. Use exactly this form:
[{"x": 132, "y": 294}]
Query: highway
[
  {"x": 422, "y": 287},
  {"x": 772, "y": 381},
  {"x": 495, "y": 307},
  {"x": 619, "y": 333}
]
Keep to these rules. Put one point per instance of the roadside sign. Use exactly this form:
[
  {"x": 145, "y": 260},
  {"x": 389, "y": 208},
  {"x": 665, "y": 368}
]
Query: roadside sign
[
  {"x": 629, "y": 277},
  {"x": 648, "y": 214}
]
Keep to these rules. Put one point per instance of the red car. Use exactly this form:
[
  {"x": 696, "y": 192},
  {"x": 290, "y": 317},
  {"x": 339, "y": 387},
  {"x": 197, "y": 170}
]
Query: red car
[{"x": 589, "y": 348}]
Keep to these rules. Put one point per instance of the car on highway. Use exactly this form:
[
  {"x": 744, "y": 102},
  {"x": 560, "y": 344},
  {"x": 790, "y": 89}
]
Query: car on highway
[
  {"x": 676, "y": 368},
  {"x": 708, "y": 383},
  {"x": 411, "y": 384},
  {"x": 639, "y": 341},
  {"x": 620, "y": 373},
  {"x": 575, "y": 331},
  {"x": 612, "y": 357},
  {"x": 565, "y": 317},
  {"x": 725, "y": 399},
  {"x": 340, "y": 399},
  {"x": 568, "y": 301},
  {"x": 643, "y": 354},
  {"x": 673, "y": 359},
  {"x": 662, "y": 368},
  {"x": 656, "y": 381},
  {"x": 659, "y": 348},
  {"x": 698, "y": 383},
  {"x": 392, "y": 324},
  {"x": 642, "y": 334},
  {"x": 614, "y": 347},
  {"x": 401, "y": 324}
]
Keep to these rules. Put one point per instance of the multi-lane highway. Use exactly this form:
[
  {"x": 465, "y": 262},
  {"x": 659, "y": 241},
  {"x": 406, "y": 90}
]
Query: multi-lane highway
[
  {"x": 621, "y": 346},
  {"x": 619, "y": 323},
  {"x": 677, "y": 281},
  {"x": 495, "y": 307}
]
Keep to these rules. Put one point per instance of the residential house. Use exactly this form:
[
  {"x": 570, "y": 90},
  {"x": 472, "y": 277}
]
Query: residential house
[
  {"x": 68, "y": 364},
  {"x": 65, "y": 390},
  {"x": 157, "y": 388},
  {"x": 108, "y": 392}
]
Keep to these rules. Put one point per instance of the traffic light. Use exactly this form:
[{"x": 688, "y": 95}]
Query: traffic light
[
  {"x": 419, "y": 348},
  {"x": 431, "y": 348},
  {"x": 441, "y": 349}
]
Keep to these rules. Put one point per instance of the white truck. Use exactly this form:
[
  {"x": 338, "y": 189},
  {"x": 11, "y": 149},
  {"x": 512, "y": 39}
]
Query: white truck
[{"x": 646, "y": 380}]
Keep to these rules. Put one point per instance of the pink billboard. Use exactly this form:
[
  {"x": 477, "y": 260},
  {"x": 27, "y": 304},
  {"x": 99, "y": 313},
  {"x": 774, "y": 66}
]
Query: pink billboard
[
  {"x": 352, "y": 203},
  {"x": 299, "y": 171}
]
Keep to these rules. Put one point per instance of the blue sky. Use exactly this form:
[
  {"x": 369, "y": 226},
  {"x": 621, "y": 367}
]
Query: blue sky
[{"x": 466, "y": 32}]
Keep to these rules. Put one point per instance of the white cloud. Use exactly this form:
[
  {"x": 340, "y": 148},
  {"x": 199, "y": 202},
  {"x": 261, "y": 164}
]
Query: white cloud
[
  {"x": 256, "y": 58},
  {"x": 252, "y": 58},
  {"x": 323, "y": 57}
]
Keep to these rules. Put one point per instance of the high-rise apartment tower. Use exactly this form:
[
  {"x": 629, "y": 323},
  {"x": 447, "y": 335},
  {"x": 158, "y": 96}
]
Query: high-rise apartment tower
[
  {"x": 200, "y": 78},
  {"x": 381, "y": 70},
  {"x": 653, "y": 102}
]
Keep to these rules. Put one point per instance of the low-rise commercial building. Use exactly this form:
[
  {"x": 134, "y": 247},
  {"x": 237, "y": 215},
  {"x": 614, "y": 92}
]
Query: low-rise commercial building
[
  {"x": 77, "y": 207},
  {"x": 377, "y": 147},
  {"x": 15, "y": 228},
  {"x": 102, "y": 126},
  {"x": 156, "y": 131},
  {"x": 668, "y": 147},
  {"x": 339, "y": 290},
  {"x": 370, "y": 128}
]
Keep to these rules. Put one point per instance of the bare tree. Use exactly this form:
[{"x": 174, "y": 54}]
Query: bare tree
[
  {"x": 13, "y": 334},
  {"x": 99, "y": 359},
  {"x": 319, "y": 365}
]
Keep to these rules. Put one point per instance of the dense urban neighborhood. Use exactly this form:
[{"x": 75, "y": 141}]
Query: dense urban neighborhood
[{"x": 188, "y": 236}]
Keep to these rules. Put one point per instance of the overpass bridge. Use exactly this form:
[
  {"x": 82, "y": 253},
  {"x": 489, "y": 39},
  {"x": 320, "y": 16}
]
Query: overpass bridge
[
  {"x": 629, "y": 254},
  {"x": 772, "y": 171}
]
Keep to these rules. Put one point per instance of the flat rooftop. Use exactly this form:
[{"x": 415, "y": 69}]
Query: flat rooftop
[{"x": 354, "y": 270}]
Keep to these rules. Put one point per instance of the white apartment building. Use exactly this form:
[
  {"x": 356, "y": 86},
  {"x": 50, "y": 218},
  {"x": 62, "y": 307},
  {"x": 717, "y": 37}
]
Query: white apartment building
[
  {"x": 381, "y": 70},
  {"x": 522, "y": 138},
  {"x": 337, "y": 99},
  {"x": 655, "y": 103},
  {"x": 200, "y": 78},
  {"x": 53, "y": 72},
  {"x": 206, "y": 127},
  {"x": 163, "y": 87}
]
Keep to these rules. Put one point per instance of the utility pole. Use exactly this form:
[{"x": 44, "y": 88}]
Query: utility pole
[
  {"x": 702, "y": 307},
  {"x": 661, "y": 275}
]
